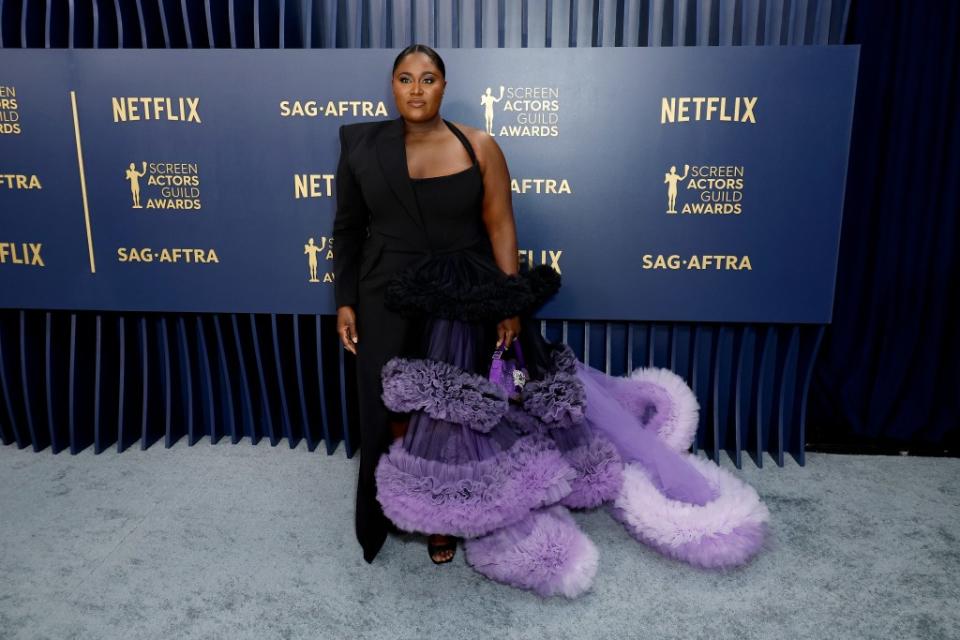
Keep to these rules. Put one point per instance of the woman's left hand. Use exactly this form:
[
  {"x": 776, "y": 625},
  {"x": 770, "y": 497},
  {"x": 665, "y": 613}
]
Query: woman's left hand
[{"x": 507, "y": 330}]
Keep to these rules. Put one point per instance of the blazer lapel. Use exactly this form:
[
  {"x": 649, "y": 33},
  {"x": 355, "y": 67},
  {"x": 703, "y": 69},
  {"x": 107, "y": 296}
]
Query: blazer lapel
[{"x": 392, "y": 155}]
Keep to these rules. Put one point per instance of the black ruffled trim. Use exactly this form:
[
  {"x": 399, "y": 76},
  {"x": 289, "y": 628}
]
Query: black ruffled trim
[{"x": 462, "y": 287}]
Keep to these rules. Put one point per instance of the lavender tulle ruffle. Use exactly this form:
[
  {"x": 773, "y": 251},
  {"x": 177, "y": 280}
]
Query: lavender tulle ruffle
[
  {"x": 596, "y": 461},
  {"x": 545, "y": 552},
  {"x": 471, "y": 499},
  {"x": 443, "y": 391}
]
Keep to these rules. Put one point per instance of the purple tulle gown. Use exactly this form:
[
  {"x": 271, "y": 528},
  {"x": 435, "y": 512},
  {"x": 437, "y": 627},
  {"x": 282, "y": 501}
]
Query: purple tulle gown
[{"x": 503, "y": 473}]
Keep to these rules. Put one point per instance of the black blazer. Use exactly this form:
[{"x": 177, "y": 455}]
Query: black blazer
[{"x": 375, "y": 202}]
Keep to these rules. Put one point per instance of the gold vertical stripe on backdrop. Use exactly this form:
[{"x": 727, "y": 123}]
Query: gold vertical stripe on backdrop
[{"x": 83, "y": 180}]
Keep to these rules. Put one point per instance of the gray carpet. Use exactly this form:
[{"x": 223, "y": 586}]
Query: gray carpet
[{"x": 257, "y": 542}]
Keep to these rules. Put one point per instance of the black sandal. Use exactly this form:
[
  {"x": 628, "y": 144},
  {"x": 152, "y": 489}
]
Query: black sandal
[{"x": 433, "y": 548}]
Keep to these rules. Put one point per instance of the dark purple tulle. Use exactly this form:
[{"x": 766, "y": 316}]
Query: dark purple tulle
[
  {"x": 564, "y": 359},
  {"x": 522, "y": 421},
  {"x": 557, "y": 399}
]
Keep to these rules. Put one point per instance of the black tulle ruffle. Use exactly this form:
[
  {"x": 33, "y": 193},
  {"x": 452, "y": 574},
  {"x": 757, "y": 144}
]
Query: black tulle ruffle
[{"x": 467, "y": 286}]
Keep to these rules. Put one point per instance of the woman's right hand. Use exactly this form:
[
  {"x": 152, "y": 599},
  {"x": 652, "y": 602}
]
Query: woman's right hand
[{"x": 347, "y": 328}]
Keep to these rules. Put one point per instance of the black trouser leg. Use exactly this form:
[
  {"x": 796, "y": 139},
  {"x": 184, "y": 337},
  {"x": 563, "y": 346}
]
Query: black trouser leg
[{"x": 380, "y": 338}]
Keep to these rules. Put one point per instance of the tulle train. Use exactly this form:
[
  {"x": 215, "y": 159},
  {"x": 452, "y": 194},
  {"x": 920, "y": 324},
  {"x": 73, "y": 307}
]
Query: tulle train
[
  {"x": 579, "y": 438},
  {"x": 630, "y": 453}
]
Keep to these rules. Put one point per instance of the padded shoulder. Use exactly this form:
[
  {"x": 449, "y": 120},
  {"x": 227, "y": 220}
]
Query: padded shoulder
[{"x": 355, "y": 131}]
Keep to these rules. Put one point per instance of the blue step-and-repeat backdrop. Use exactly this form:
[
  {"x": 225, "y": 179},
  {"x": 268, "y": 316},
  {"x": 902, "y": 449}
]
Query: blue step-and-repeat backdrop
[{"x": 700, "y": 184}]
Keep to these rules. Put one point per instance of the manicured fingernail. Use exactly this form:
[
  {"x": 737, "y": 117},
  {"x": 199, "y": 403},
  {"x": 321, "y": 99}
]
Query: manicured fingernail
[{"x": 354, "y": 338}]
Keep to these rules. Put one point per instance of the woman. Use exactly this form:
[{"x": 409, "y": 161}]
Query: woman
[
  {"x": 416, "y": 155},
  {"x": 427, "y": 286}
]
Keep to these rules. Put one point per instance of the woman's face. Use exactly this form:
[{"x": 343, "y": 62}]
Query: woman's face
[{"x": 418, "y": 87}]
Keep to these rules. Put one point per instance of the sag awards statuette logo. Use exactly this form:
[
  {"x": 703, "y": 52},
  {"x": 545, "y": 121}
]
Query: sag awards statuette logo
[
  {"x": 713, "y": 189},
  {"x": 9, "y": 111},
  {"x": 174, "y": 109},
  {"x": 19, "y": 181},
  {"x": 701, "y": 108},
  {"x": 312, "y": 251},
  {"x": 521, "y": 111},
  {"x": 334, "y": 108},
  {"x": 26, "y": 254},
  {"x": 170, "y": 185}
]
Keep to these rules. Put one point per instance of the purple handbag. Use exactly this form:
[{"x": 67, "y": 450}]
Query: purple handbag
[{"x": 509, "y": 374}]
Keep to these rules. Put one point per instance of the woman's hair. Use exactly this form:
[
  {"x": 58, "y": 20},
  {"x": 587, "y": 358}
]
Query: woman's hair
[{"x": 421, "y": 48}]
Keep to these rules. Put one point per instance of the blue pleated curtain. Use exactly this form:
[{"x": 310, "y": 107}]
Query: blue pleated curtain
[
  {"x": 888, "y": 377},
  {"x": 69, "y": 380}
]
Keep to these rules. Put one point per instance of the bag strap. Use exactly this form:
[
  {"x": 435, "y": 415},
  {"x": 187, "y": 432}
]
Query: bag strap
[{"x": 498, "y": 354}]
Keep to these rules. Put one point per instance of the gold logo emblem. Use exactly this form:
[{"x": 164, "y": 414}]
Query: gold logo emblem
[{"x": 671, "y": 179}]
